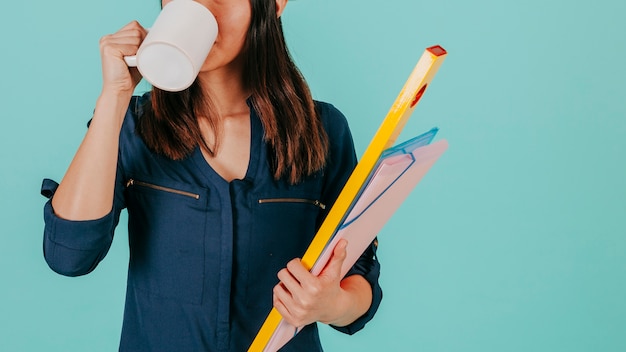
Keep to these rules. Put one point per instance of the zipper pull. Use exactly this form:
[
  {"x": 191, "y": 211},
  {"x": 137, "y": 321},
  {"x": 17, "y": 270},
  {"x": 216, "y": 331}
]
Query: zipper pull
[{"x": 320, "y": 204}]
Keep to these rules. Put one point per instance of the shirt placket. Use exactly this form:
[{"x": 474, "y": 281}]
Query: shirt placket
[{"x": 225, "y": 270}]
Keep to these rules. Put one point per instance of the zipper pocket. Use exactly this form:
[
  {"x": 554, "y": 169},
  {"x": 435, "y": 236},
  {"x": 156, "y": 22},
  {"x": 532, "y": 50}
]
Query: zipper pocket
[
  {"x": 317, "y": 203},
  {"x": 132, "y": 182}
]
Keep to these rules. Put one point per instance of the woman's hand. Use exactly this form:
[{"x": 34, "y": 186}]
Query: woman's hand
[
  {"x": 302, "y": 298},
  {"x": 117, "y": 77}
]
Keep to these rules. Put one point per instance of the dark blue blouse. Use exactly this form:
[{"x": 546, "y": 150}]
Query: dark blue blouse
[{"x": 204, "y": 252}]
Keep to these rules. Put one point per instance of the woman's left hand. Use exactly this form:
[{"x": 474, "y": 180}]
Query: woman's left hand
[{"x": 302, "y": 298}]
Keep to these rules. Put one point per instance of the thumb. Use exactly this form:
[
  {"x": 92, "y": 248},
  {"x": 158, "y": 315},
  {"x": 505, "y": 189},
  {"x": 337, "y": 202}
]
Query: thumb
[{"x": 333, "y": 267}]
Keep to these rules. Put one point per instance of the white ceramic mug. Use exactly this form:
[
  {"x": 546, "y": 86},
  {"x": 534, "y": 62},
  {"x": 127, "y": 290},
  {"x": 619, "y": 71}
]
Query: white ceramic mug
[{"x": 171, "y": 55}]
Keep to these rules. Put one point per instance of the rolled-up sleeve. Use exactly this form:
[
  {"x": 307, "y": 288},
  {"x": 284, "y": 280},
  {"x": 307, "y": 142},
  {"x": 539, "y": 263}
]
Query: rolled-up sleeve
[{"x": 74, "y": 248}]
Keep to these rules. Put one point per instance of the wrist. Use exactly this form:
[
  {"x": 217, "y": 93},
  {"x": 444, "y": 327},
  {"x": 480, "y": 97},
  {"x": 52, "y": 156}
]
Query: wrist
[
  {"x": 339, "y": 310},
  {"x": 112, "y": 95},
  {"x": 112, "y": 106},
  {"x": 353, "y": 300}
]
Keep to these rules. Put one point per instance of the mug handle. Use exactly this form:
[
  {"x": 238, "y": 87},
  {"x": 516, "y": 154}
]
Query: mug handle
[{"x": 131, "y": 61}]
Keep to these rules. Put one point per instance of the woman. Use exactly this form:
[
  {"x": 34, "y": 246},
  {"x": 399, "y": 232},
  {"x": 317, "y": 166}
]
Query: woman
[{"x": 225, "y": 184}]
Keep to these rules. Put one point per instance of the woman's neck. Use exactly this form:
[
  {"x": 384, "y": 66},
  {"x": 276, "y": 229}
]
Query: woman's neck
[{"x": 226, "y": 89}]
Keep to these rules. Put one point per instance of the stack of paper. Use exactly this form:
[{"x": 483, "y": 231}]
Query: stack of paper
[{"x": 397, "y": 173}]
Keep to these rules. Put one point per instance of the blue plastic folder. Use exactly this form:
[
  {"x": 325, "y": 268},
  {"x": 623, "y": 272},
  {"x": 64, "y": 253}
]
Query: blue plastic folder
[{"x": 396, "y": 173}]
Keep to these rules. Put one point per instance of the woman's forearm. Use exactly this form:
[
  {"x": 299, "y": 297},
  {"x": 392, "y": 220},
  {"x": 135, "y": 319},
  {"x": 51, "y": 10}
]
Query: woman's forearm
[{"x": 87, "y": 189}]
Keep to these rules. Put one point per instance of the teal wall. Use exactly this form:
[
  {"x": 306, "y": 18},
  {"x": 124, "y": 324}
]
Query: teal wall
[{"x": 515, "y": 241}]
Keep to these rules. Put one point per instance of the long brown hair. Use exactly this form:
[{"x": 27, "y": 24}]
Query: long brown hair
[{"x": 280, "y": 96}]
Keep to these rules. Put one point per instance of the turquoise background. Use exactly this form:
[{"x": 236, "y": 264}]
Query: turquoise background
[{"x": 515, "y": 241}]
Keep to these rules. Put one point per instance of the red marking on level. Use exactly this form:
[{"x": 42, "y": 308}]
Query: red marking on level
[
  {"x": 437, "y": 50},
  {"x": 418, "y": 96}
]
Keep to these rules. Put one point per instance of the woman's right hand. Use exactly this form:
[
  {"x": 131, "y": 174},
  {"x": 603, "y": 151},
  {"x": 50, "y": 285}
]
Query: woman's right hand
[{"x": 117, "y": 77}]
